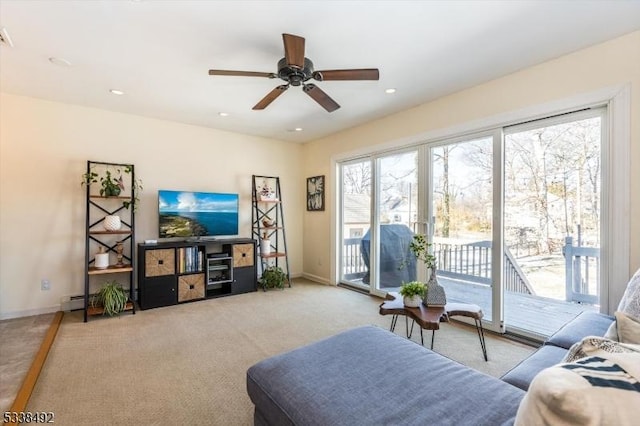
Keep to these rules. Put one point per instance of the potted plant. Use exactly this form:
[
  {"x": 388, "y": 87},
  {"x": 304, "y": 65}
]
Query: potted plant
[
  {"x": 112, "y": 184},
  {"x": 413, "y": 292},
  {"x": 111, "y": 297},
  {"x": 421, "y": 249},
  {"x": 273, "y": 277}
]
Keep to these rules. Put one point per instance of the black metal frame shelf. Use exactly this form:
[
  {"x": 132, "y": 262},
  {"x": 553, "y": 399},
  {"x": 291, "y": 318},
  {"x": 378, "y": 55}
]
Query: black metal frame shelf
[
  {"x": 97, "y": 208},
  {"x": 263, "y": 207}
]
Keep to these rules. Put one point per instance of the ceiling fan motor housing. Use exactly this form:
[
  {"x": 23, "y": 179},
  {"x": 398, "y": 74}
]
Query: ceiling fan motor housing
[{"x": 294, "y": 75}]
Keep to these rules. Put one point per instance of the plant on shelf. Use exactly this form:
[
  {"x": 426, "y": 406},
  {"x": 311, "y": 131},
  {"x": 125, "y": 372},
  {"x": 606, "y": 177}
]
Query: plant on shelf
[
  {"x": 111, "y": 297},
  {"x": 273, "y": 277},
  {"x": 112, "y": 184},
  {"x": 413, "y": 292}
]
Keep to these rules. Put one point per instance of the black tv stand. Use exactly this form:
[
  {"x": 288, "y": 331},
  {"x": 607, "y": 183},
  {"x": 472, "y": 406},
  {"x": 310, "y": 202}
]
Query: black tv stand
[{"x": 184, "y": 271}]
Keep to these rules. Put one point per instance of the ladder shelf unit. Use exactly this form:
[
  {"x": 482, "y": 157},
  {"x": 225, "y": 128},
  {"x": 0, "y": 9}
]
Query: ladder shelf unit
[
  {"x": 267, "y": 224},
  {"x": 118, "y": 243}
]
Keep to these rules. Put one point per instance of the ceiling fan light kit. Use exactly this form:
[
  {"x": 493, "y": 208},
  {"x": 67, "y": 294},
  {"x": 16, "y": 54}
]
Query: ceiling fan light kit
[{"x": 296, "y": 70}]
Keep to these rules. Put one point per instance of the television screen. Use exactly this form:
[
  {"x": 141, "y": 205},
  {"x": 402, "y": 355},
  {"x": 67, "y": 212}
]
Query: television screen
[{"x": 197, "y": 214}]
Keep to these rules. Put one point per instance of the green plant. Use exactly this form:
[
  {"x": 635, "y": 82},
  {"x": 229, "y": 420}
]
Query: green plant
[
  {"x": 421, "y": 249},
  {"x": 112, "y": 297},
  {"x": 273, "y": 277},
  {"x": 111, "y": 185},
  {"x": 413, "y": 288}
]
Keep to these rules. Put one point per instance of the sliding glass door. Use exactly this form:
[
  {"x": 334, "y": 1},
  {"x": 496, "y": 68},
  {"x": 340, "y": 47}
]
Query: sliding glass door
[
  {"x": 513, "y": 215},
  {"x": 552, "y": 218},
  {"x": 462, "y": 211},
  {"x": 356, "y": 195}
]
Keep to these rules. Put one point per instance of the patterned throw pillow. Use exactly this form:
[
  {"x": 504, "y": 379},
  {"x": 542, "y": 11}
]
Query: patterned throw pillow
[
  {"x": 597, "y": 390},
  {"x": 598, "y": 346}
]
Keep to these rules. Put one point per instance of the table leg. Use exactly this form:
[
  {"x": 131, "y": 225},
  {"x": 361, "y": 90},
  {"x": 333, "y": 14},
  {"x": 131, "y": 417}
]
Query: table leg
[{"x": 433, "y": 334}]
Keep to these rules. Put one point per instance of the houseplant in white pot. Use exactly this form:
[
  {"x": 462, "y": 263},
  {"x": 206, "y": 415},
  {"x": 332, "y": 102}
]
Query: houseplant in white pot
[{"x": 412, "y": 293}]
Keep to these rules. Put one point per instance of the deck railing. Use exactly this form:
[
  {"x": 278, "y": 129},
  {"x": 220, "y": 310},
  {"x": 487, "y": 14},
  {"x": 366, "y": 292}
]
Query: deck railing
[
  {"x": 472, "y": 262},
  {"x": 582, "y": 272},
  {"x": 353, "y": 266}
]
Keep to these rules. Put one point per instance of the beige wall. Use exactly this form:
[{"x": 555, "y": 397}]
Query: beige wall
[
  {"x": 616, "y": 62},
  {"x": 44, "y": 147}
]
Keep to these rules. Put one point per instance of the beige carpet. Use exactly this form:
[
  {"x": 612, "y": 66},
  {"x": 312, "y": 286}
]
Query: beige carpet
[{"x": 186, "y": 364}]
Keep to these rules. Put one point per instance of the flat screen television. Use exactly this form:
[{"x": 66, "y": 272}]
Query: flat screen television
[{"x": 197, "y": 214}]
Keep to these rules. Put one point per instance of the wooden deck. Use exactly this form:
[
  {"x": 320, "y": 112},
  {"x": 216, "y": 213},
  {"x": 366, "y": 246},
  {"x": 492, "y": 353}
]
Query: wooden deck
[{"x": 538, "y": 315}]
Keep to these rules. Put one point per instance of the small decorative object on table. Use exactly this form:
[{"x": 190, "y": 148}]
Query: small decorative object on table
[
  {"x": 413, "y": 293},
  {"x": 420, "y": 248}
]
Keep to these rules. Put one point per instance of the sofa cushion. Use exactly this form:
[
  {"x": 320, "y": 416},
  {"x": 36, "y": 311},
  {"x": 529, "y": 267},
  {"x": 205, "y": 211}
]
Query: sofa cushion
[
  {"x": 368, "y": 376},
  {"x": 522, "y": 374},
  {"x": 592, "y": 391},
  {"x": 585, "y": 324}
]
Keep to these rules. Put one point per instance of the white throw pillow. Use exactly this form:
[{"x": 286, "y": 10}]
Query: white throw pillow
[
  {"x": 630, "y": 302},
  {"x": 597, "y": 390},
  {"x": 628, "y": 328}
]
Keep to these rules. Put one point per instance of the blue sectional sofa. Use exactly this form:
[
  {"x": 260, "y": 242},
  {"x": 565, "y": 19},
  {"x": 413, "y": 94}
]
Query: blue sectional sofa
[{"x": 368, "y": 375}]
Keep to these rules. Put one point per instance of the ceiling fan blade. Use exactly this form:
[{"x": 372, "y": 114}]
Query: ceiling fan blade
[
  {"x": 243, "y": 73},
  {"x": 271, "y": 96},
  {"x": 355, "y": 74},
  {"x": 294, "y": 50},
  {"x": 320, "y": 97}
]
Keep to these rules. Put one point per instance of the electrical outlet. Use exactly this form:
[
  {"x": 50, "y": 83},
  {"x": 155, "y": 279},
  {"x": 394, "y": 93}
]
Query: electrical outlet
[{"x": 45, "y": 285}]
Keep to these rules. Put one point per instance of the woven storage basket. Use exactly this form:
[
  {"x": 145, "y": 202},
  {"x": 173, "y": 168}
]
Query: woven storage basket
[
  {"x": 160, "y": 262},
  {"x": 190, "y": 287},
  {"x": 242, "y": 255}
]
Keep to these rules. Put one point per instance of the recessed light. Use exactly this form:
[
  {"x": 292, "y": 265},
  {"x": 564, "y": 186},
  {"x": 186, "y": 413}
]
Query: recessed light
[
  {"x": 390, "y": 90},
  {"x": 116, "y": 92},
  {"x": 223, "y": 114},
  {"x": 60, "y": 62},
  {"x": 298, "y": 129}
]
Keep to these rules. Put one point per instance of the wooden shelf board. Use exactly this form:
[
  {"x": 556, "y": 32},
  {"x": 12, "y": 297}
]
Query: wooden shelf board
[
  {"x": 271, "y": 255},
  {"x": 111, "y": 269},
  {"x": 99, "y": 310},
  {"x": 123, "y": 232},
  {"x": 110, "y": 198}
]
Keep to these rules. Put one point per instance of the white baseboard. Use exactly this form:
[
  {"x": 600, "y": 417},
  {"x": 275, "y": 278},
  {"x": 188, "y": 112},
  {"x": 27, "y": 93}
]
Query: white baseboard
[
  {"x": 316, "y": 278},
  {"x": 29, "y": 312}
]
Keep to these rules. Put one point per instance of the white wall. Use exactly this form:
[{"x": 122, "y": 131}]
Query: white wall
[
  {"x": 44, "y": 147},
  {"x": 616, "y": 62}
]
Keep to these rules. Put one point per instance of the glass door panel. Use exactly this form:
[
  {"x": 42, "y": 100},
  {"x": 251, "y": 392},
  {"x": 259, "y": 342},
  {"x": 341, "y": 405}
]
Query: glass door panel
[
  {"x": 356, "y": 222},
  {"x": 552, "y": 221},
  {"x": 461, "y": 194},
  {"x": 396, "y": 213}
]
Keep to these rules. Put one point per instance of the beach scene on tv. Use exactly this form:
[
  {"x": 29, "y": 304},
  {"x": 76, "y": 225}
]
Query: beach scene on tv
[{"x": 197, "y": 214}]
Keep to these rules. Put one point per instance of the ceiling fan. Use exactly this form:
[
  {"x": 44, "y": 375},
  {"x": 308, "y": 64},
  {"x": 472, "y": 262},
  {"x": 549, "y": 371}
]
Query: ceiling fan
[{"x": 296, "y": 70}]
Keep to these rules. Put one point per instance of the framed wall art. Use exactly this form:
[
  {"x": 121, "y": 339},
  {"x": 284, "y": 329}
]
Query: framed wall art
[{"x": 315, "y": 193}]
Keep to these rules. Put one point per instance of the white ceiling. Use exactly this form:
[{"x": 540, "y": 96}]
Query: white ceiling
[{"x": 159, "y": 53}]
